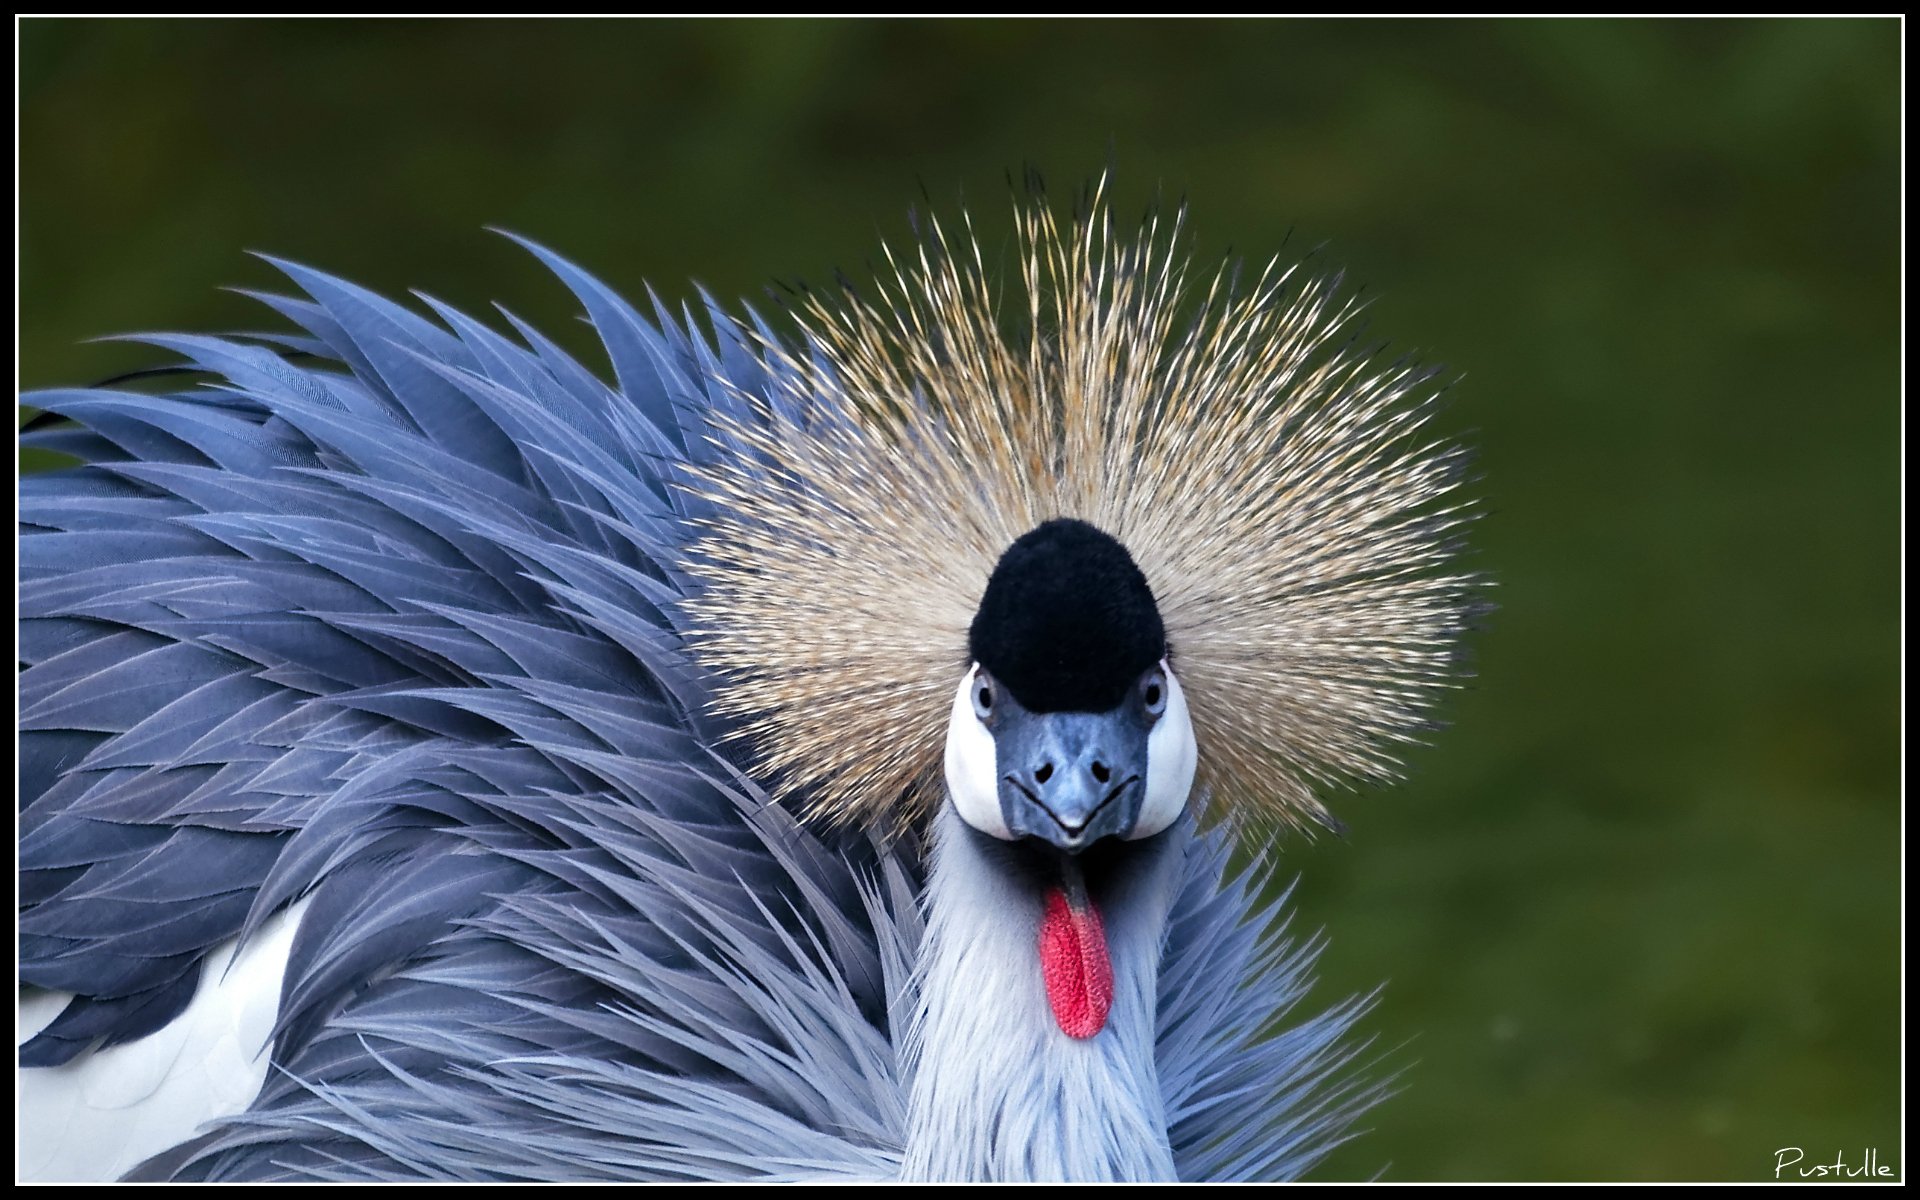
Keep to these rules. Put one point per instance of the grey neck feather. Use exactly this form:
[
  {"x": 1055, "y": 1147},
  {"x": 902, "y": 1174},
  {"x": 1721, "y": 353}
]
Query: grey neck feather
[{"x": 998, "y": 1091}]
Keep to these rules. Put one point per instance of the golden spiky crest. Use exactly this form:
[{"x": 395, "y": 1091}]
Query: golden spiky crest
[{"x": 1276, "y": 485}]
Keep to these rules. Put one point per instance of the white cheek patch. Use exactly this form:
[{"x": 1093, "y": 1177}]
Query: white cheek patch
[
  {"x": 973, "y": 766},
  {"x": 1170, "y": 762}
]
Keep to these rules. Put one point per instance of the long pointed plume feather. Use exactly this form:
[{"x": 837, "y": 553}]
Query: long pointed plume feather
[{"x": 1278, "y": 485}]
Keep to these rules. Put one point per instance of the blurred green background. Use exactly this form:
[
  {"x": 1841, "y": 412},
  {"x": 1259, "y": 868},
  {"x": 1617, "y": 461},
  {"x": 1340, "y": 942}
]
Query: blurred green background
[{"x": 1638, "y": 906}]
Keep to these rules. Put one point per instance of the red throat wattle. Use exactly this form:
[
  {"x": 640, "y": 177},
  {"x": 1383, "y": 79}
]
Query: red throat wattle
[{"x": 1074, "y": 962}]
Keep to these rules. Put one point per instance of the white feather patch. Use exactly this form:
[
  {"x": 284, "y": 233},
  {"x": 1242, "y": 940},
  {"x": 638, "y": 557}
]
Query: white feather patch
[
  {"x": 973, "y": 766},
  {"x": 1171, "y": 758},
  {"x": 104, "y": 1113}
]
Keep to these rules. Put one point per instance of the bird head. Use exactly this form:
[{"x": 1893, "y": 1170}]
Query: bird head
[
  {"x": 1069, "y": 725},
  {"x": 1071, "y": 554}
]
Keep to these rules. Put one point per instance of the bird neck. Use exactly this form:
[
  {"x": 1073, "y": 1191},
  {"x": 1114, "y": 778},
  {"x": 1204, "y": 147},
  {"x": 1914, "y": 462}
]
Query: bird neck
[{"x": 998, "y": 1091}]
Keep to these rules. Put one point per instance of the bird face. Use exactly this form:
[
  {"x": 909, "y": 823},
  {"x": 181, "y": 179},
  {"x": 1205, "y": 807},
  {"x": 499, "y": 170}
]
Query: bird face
[
  {"x": 1069, "y": 726},
  {"x": 1070, "y": 778}
]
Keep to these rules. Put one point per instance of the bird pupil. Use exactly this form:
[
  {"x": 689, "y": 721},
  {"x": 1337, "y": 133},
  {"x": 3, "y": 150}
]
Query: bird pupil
[
  {"x": 1153, "y": 694},
  {"x": 986, "y": 698}
]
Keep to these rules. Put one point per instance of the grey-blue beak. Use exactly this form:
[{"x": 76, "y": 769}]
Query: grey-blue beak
[{"x": 1071, "y": 778}]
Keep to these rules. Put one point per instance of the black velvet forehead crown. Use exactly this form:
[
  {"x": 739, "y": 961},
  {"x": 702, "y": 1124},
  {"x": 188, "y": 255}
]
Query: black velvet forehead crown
[{"x": 1068, "y": 622}]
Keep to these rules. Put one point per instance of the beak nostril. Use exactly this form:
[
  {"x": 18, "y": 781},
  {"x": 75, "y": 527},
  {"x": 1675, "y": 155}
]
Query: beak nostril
[
  {"x": 1044, "y": 773},
  {"x": 1101, "y": 773}
]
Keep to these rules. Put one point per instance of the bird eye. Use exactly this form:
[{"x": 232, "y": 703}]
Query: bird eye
[
  {"x": 982, "y": 698},
  {"x": 1154, "y": 693}
]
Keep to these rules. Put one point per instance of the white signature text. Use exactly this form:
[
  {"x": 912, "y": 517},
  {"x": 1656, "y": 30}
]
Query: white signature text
[{"x": 1790, "y": 1158}]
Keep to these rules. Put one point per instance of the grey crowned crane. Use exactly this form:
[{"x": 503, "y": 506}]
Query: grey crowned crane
[{"x": 815, "y": 754}]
